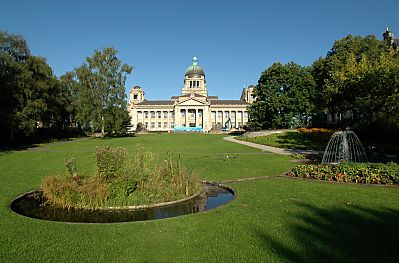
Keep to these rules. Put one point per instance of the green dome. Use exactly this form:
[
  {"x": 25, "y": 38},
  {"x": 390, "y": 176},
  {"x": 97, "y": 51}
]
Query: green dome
[{"x": 194, "y": 69}]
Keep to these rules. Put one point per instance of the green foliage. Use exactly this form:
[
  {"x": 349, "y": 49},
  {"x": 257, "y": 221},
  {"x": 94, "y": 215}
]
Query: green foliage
[
  {"x": 371, "y": 173},
  {"x": 71, "y": 166},
  {"x": 349, "y": 56},
  {"x": 111, "y": 162},
  {"x": 71, "y": 192},
  {"x": 315, "y": 157},
  {"x": 141, "y": 179},
  {"x": 30, "y": 95},
  {"x": 284, "y": 97},
  {"x": 317, "y": 135},
  {"x": 101, "y": 102}
]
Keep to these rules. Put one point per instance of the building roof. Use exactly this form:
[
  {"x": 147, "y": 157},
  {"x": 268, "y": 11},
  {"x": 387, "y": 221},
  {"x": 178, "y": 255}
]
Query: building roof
[
  {"x": 194, "y": 69},
  {"x": 156, "y": 102},
  {"x": 195, "y": 95},
  {"x": 229, "y": 102}
]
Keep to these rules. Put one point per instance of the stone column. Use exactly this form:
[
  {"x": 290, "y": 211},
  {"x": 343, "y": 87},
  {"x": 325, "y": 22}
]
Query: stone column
[
  {"x": 186, "y": 118},
  {"x": 196, "y": 117}
]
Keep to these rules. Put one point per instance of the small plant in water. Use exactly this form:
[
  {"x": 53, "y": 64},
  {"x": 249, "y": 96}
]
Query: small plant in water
[
  {"x": 71, "y": 166},
  {"x": 122, "y": 180}
]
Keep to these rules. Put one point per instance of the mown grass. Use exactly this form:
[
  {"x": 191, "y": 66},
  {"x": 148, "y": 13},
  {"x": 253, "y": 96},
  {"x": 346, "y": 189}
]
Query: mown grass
[
  {"x": 288, "y": 140},
  {"x": 272, "y": 220}
]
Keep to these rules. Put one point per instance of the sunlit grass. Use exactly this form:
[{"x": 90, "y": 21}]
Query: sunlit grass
[
  {"x": 289, "y": 140},
  {"x": 271, "y": 220}
]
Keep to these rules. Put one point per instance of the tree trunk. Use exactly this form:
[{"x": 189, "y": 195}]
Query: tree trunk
[
  {"x": 102, "y": 127},
  {"x": 332, "y": 112}
]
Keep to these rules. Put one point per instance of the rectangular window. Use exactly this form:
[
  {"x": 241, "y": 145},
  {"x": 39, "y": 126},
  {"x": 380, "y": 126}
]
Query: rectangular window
[
  {"x": 135, "y": 96},
  {"x": 172, "y": 114},
  {"x": 220, "y": 115},
  {"x": 153, "y": 114},
  {"x": 192, "y": 115},
  {"x": 165, "y": 125},
  {"x": 152, "y": 125},
  {"x": 226, "y": 114},
  {"x": 146, "y": 114},
  {"x": 159, "y": 125},
  {"x": 172, "y": 124},
  {"x": 146, "y": 125},
  {"x": 159, "y": 114},
  {"x": 165, "y": 114},
  {"x": 183, "y": 114},
  {"x": 199, "y": 113}
]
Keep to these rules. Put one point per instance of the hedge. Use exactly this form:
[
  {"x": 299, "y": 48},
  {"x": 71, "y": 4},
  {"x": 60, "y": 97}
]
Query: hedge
[{"x": 370, "y": 173}]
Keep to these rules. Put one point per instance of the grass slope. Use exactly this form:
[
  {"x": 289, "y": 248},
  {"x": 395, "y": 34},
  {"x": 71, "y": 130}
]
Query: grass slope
[
  {"x": 289, "y": 140},
  {"x": 272, "y": 220}
]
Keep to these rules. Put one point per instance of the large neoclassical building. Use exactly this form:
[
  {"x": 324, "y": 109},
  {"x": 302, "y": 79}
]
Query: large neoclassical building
[{"x": 193, "y": 110}]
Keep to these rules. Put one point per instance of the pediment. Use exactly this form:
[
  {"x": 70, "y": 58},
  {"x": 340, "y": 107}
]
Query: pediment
[{"x": 191, "y": 102}]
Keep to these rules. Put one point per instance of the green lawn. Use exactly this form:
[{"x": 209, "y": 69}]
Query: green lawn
[
  {"x": 289, "y": 140},
  {"x": 271, "y": 220}
]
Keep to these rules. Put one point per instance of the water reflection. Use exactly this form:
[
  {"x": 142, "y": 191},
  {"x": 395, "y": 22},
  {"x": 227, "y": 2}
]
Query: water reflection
[{"x": 30, "y": 205}]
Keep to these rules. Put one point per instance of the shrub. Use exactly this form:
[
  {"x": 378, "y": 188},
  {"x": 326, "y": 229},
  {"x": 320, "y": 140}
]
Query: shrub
[
  {"x": 309, "y": 156},
  {"x": 68, "y": 192},
  {"x": 144, "y": 179},
  {"x": 371, "y": 173},
  {"x": 321, "y": 135},
  {"x": 71, "y": 166},
  {"x": 110, "y": 162}
]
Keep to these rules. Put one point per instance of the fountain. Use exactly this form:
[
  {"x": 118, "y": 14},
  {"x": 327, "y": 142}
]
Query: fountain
[{"x": 344, "y": 147}]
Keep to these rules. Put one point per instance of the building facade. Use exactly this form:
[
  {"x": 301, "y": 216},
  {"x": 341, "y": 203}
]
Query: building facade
[{"x": 193, "y": 110}]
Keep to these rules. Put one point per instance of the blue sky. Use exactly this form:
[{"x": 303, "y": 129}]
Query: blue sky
[{"x": 234, "y": 40}]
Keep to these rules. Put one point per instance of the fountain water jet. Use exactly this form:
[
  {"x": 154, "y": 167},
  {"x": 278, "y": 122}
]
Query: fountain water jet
[{"x": 344, "y": 147}]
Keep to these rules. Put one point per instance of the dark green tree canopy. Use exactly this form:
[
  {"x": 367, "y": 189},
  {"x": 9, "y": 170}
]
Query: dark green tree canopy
[
  {"x": 329, "y": 72},
  {"x": 30, "y": 95},
  {"x": 284, "y": 97}
]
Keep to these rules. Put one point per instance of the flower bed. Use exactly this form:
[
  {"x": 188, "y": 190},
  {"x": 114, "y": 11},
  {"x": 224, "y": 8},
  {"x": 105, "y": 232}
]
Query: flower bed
[
  {"x": 370, "y": 173},
  {"x": 321, "y": 135}
]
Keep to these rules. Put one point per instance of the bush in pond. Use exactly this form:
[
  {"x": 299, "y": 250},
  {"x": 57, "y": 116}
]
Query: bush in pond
[
  {"x": 69, "y": 192},
  {"x": 110, "y": 162},
  {"x": 141, "y": 179},
  {"x": 371, "y": 173}
]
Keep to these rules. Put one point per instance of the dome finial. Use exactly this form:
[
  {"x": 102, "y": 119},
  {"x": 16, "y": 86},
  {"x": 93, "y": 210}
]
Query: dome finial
[{"x": 195, "y": 59}]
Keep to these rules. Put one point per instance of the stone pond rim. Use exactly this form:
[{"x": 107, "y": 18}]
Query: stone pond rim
[{"x": 202, "y": 201}]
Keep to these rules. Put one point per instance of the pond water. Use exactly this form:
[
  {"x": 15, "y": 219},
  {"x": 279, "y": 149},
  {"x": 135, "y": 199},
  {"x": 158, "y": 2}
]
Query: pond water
[{"x": 30, "y": 205}]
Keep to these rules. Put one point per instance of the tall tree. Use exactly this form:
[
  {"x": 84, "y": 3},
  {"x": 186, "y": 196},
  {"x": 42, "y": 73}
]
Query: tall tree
[
  {"x": 329, "y": 72},
  {"x": 14, "y": 54},
  {"x": 284, "y": 97},
  {"x": 30, "y": 95},
  {"x": 102, "y": 102}
]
